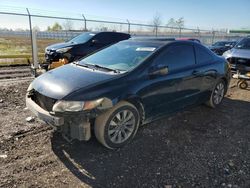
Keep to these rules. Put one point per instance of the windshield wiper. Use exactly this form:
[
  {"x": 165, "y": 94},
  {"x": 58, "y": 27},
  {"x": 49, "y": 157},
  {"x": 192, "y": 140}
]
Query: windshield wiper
[{"x": 101, "y": 67}]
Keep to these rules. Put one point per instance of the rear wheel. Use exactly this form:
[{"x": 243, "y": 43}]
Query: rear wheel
[
  {"x": 217, "y": 94},
  {"x": 118, "y": 126}
]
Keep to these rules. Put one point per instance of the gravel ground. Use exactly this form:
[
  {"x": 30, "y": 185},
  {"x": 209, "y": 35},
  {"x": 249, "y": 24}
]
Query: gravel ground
[{"x": 200, "y": 147}]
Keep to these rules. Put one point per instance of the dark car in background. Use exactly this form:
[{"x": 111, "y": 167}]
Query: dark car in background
[
  {"x": 82, "y": 45},
  {"x": 221, "y": 46},
  {"x": 125, "y": 85},
  {"x": 239, "y": 55}
]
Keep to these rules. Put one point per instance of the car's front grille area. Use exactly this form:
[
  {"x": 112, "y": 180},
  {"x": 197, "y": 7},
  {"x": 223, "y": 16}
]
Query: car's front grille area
[
  {"x": 239, "y": 61},
  {"x": 43, "y": 101},
  {"x": 51, "y": 55}
]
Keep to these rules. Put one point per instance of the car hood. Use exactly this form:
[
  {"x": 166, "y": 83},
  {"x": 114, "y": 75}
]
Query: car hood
[
  {"x": 60, "y": 45},
  {"x": 62, "y": 81},
  {"x": 242, "y": 53}
]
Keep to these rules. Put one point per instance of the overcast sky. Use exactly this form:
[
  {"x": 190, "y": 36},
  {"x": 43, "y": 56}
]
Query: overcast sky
[{"x": 205, "y": 14}]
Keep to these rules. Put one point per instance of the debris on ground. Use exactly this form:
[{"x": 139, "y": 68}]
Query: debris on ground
[
  {"x": 30, "y": 119},
  {"x": 211, "y": 149},
  {"x": 3, "y": 156}
]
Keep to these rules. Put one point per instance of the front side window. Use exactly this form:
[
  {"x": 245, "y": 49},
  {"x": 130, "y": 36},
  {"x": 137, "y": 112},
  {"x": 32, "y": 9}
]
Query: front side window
[
  {"x": 177, "y": 57},
  {"x": 122, "y": 56}
]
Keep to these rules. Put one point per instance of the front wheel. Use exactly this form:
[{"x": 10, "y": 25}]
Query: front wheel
[
  {"x": 243, "y": 84},
  {"x": 118, "y": 126},
  {"x": 217, "y": 94}
]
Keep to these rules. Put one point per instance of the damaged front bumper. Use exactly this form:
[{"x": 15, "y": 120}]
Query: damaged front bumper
[
  {"x": 71, "y": 126},
  {"x": 43, "y": 114}
]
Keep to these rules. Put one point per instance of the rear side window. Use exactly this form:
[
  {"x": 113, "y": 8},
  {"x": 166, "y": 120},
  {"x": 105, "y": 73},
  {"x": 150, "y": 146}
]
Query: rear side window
[
  {"x": 116, "y": 37},
  {"x": 177, "y": 57},
  {"x": 103, "y": 38},
  {"x": 109, "y": 38},
  {"x": 202, "y": 55}
]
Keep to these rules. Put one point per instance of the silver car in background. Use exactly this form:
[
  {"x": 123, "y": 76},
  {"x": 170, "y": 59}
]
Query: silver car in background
[{"x": 239, "y": 55}]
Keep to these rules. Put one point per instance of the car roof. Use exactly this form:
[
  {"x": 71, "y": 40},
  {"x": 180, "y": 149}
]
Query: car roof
[
  {"x": 165, "y": 39},
  {"x": 188, "y": 38},
  {"x": 98, "y": 32},
  {"x": 146, "y": 42},
  {"x": 152, "y": 39},
  {"x": 159, "y": 42}
]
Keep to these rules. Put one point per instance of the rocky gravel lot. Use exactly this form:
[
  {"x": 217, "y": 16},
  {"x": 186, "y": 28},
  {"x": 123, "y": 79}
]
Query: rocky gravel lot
[{"x": 200, "y": 147}]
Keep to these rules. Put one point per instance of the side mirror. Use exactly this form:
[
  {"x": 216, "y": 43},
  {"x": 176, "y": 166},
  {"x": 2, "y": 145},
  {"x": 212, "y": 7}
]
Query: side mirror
[{"x": 160, "y": 70}]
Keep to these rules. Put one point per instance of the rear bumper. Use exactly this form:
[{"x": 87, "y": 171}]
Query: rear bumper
[{"x": 43, "y": 114}]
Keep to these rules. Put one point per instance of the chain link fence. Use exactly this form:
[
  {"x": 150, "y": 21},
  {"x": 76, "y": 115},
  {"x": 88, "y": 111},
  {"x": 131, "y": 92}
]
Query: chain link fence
[{"x": 30, "y": 19}]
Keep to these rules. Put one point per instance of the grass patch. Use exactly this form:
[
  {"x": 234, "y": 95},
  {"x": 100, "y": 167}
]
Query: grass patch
[
  {"x": 22, "y": 45},
  {"x": 16, "y": 50}
]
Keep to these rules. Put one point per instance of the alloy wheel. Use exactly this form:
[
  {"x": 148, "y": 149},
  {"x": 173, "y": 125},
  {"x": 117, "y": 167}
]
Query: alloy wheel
[
  {"x": 121, "y": 126},
  {"x": 218, "y": 93}
]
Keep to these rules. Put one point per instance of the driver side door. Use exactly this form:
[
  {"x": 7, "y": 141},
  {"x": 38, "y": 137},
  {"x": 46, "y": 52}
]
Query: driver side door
[{"x": 173, "y": 91}]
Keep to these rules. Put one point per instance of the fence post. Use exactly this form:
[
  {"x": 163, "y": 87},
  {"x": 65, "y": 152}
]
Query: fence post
[
  {"x": 31, "y": 34},
  {"x": 213, "y": 36},
  {"x": 35, "y": 52},
  {"x": 199, "y": 32},
  {"x": 180, "y": 32},
  {"x": 85, "y": 22},
  {"x": 128, "y": 26}
]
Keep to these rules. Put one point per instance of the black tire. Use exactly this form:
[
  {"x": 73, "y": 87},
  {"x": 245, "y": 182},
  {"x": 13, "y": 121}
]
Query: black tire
[
  {"x": 217, "y": 94},
  {"x": 104, "y": 129},
  {"x": 238, "y": 82},
  {"x": 243, "y": 85}
]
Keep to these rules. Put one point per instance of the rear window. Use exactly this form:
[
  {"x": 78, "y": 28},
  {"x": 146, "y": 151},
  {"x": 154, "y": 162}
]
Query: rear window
[
  {"x": 109, "y": 37},
  {"x": 244, "y": 44}
]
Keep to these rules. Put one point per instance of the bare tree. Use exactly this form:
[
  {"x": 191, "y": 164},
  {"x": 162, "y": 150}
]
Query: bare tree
[
  {"x": 157, "y": 21},
  {"x": 180, "y": 24},
  {"x": 68, "y": 25},
  {"x": 172, "y": 24}
]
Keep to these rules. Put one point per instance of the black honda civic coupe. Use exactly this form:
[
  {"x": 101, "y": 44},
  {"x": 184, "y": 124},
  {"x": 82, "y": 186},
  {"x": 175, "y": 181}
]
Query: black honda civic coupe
[{"x": 125, "y": 85}]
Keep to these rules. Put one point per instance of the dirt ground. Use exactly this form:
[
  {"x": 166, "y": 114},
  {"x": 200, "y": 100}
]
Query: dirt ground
[{"x": 200, "y": 147}]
